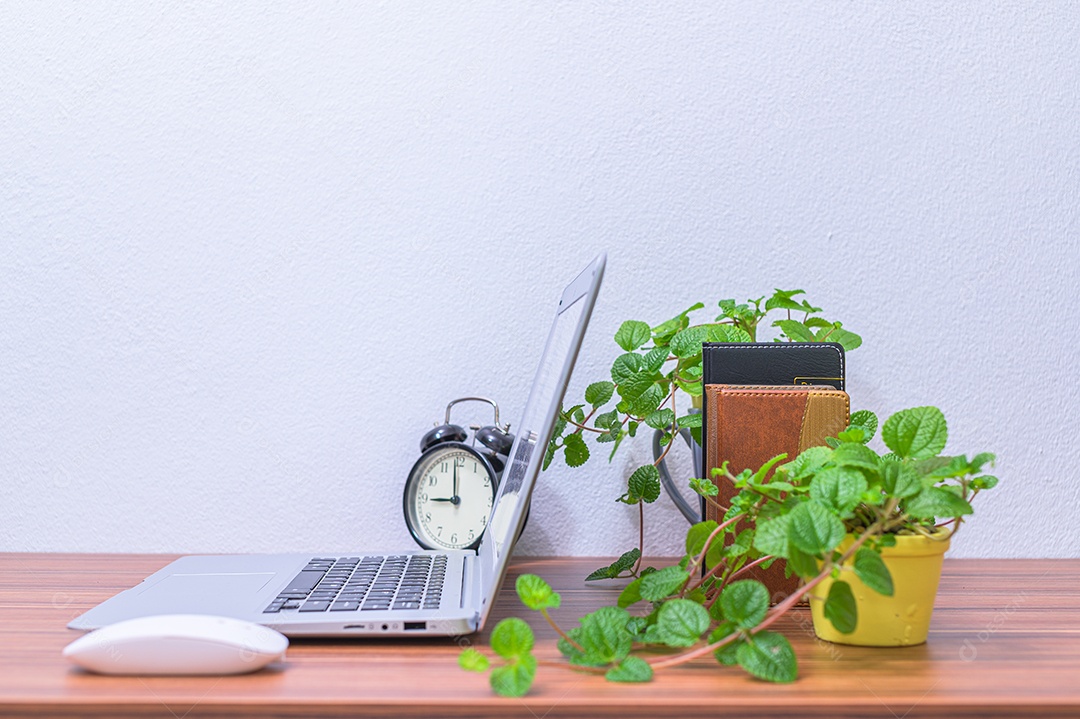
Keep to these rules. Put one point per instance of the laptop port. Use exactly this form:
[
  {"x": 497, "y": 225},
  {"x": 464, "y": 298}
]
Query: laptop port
[{"x": 410, "y": 626}]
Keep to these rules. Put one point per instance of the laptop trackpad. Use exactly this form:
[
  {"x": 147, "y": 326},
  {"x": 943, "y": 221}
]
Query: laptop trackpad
[{"x": 196, "y": 593}]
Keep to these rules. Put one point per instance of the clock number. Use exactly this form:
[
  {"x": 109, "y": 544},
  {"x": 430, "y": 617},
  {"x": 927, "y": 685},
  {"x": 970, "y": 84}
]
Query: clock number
[
  {"x": 423, "y": 498},
  {"x": 453, "y": 538},
  {"x": 460, "y": 461},
  {"x": 439, "y": 530},
  {"x": 427, "y": 516},
  {"x": 483, "y": 521},
  {"x": 472, "y": 535},
  {"x": 431, "y": 480}
]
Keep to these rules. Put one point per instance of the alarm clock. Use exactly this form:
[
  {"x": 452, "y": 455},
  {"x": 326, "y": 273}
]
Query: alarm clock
[{"x": 450, "y": 490}]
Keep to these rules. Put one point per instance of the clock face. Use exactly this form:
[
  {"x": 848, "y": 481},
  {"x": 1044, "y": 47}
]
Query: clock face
[{"x": 448, "y": 497}]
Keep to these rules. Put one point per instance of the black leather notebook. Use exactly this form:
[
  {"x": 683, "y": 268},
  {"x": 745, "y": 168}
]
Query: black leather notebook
[{"x": 773, "y": 363}]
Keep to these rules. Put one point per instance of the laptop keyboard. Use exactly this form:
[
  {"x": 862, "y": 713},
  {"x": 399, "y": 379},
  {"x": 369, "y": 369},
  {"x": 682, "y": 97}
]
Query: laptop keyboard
[{"x": 354, "y": 584}]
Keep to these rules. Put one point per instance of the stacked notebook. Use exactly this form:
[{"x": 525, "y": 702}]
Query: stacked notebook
[{"x": 765, "y": 399}]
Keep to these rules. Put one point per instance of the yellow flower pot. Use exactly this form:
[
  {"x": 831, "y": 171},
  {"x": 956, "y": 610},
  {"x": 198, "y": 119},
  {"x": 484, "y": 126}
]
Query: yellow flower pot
[{"x": 897, "y": 621}]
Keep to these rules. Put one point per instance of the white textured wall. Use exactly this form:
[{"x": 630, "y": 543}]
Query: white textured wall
[{"x": 249, "y": 253}]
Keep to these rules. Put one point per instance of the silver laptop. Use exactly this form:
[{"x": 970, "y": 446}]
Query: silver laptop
[{"x": 405, "y": 593}]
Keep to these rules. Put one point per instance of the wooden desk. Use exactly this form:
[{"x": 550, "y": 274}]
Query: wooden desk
[{"x": 1005, "y": 641}]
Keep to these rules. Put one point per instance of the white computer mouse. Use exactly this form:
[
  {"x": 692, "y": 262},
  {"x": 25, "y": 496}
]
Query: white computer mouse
[{"x": 178, "y": 644}]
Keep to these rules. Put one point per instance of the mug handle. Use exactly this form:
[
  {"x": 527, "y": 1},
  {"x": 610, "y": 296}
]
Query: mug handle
[{"x": 692, "y": 514}]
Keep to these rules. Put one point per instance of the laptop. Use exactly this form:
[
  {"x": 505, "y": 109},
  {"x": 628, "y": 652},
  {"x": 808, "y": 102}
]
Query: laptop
[{"x": 359, "y": 593}]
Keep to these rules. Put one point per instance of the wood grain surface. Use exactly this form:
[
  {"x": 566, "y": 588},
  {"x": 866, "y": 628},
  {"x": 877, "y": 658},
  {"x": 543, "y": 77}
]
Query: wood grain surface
[{"x": 1005, "y": 641}]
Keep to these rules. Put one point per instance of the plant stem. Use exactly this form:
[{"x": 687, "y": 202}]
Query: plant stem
[
  {"x": 560, "y": 632},
  {"x": 701, "y": 557},
  {"x": 641, "y": 538},
  {"x": 751, "y": 565},
  {"x": 778, "y": 611}
]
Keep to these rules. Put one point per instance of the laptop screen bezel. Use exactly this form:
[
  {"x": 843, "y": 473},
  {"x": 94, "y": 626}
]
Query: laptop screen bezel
[{"x": 493, "y": 563}]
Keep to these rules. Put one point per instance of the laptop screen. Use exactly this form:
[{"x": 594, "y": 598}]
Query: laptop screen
[{"x": 533, "y": 433}]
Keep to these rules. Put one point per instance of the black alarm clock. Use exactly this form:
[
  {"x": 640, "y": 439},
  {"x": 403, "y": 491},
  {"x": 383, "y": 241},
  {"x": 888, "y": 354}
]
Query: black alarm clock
[{"x": 450, "y": 490}]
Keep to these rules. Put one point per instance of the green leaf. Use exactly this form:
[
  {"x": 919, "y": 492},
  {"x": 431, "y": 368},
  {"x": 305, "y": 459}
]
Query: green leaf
[
  {"x": 514, "y": 679},
  {"x": 741, "y": 545},
  {"x": 980, "y": 459},
  {"x": 900, "y": 480},
  {"x": 853, "y": 433},
  {"x": 577, "y": 452},
  {"x": 536, "y": 594},
  {"x": 871, "y": 570},
  {"x": 745, "y": 602},
  {"x": 838, "y": 487},
  {"x": 768, "y": 656},
  {"x": 607, "y": 420},
  {"x": 916, "y": 433},
  {"x": 687, "y": 342},
  {"x": 654, "y": 359},
  {"x": 620, "y": 565},
  {"x": 512, "y": 638},
  {"x": 646, "y": 403},
  {"x": 727, "y": 654},
  {"x": 631, "y": 669},
  {"x": 772, "y": 536},
  {"x": 604, "y": 636},
  {"x": 867, "y": 419},
  {"x": 698, "y": 534},
  {"x": 549, "y": 454},
  {"x": 663, "y": 332},
  {"x": 663, "y": 583},
  {"x": 759, "y": 476},
  {"x": 690, "y": 420},
  {"x": 855, "y": 454},
  {"x": 847, "y": 339},
  {"x": 625, "y": 366},
  {"x": 631, "y": 594},
  {"x": 643, "y": 485},
  {"x": 802, "y": 563},
  {"x": 986, "y": 481},
  {"x": 472, "y": 661},
  {"x": 599, "y": 393},
  {"x": 935, "y": 502},
  {"x": 808, "y": 461},
  {"x": 727, "y": 333},
  {"x": 814, "y": 528},
  {"x": 840, "y": 607},
  {"x": 795, "y": 330},
  {"x": 782, "y": 300},
  {"x": 632, "y": 334},
  {"x": 636, "y": 385},
  {"x": 704, "y": 487},
  {"x": 680, "y": 623},
  {"x": 660, "y": 419}
]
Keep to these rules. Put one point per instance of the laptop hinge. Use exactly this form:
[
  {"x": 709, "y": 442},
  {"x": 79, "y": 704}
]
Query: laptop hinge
[{"x": 469, "y": 581}]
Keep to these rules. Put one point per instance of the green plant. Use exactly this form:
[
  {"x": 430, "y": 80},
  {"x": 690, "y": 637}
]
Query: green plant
[
  {"x": 800, "y": 514},
  {"x": 656, "y": 364}
]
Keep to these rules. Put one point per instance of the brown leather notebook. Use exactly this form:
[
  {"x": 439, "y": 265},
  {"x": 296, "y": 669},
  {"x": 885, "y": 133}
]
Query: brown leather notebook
[{"x": 748, "y": 425}]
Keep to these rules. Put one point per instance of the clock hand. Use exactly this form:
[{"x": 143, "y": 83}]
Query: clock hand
[
  {"x": 455, "y": 499},
  {"x": 451, "y": 500}
]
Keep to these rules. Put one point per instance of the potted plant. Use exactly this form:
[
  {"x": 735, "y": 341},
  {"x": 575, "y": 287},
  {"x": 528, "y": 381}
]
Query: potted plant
[
  {"x": 834, "y": 513},
  {"x": 657, "y": 365}
]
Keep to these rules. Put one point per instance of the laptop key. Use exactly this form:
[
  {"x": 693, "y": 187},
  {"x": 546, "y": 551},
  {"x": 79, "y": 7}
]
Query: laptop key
[
  {"x": 314, "y": 605},
  {"x": 304, "y": 582},
  {"x": 344, "y": 606}
]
